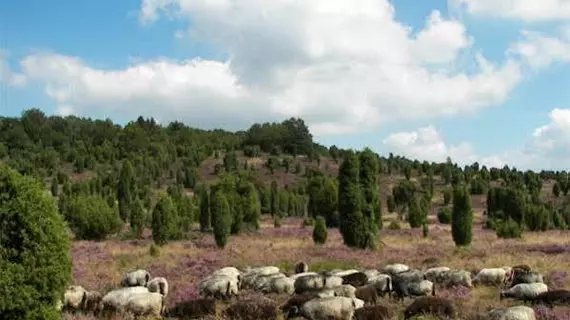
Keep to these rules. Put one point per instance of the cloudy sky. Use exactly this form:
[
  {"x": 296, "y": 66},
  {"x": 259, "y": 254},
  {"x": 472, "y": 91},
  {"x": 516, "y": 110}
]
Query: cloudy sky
[{"x": 476, "y": 80}]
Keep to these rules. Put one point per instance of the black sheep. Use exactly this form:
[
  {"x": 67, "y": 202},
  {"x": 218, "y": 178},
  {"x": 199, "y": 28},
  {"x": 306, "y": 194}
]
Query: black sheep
[
  {"x": 193, "y": 308},
  {"x": 297, "y": 301},
  {"x": 301, "y": 267},
  {"x": 367, "y": 293},
  {"x": 430, "y": 305},
  {"x": 552, "y": 297},
  {"x": 378, "y": 312},
  {"x": 356, "y": 279}
]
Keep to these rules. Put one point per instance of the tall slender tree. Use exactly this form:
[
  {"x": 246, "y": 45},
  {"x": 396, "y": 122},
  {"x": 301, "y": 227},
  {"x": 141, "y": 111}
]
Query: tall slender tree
[
  {"x": 461, "y": 216},
  {"x": 351, "y": 222}
]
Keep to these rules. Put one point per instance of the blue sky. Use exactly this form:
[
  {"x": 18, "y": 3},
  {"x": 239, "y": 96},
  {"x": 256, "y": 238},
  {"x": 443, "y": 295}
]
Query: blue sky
[{"x": 350, "y": 68}]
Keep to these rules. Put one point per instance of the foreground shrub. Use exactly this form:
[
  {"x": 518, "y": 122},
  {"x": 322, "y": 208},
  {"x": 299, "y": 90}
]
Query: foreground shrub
[
  {"x": 394, "y": 225},
  {"x": 308, "y": 222},
  {"x": 91, "y": 218},
  {"x": 444, "y": 216},
  {"x": 35, "y": 262},
  {"x": 320, "y": 231}
]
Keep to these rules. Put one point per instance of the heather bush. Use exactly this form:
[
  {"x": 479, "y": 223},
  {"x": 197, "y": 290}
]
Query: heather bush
[
  {"x": 91, "y": 218},
  {"x": 444, "y": 215},
  {"x": 508, "y": 229},
  {"x": 35, "y": 258},
  {"x": 320, "y": 231},
  {"x": 394, "y": 225},
  {"x": 277, "y": 221}
]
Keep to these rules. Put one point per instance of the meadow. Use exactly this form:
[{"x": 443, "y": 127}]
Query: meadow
[{"x": 100, "y": 265}]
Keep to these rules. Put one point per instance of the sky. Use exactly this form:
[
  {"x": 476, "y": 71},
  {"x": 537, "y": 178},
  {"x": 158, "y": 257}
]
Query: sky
[{"x": 473, "y": 80}]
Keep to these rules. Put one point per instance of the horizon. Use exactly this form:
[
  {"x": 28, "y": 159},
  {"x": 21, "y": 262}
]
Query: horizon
[{"x": 475, "y": 81}]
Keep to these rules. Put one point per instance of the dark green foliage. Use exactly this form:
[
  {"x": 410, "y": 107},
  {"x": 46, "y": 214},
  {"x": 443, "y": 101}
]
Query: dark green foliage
[
  {"x": 230, "y": 161},
  {"x": 394, "y": 225},
  {"x": 368, "y": 179},
  {"x": 35, "y": 262},
  {"x": 320, "y": 231},
  {"x": 556, "y": 189},
  {"x": 274, "y": 199},
  {"x": 91, "y": 218},
  {"x": 164, "y": 223},
  {"x": 415, "y": 214},
  {"x": 390, "y": 203},
  {"x": 353, "y": 226},
  {"x": 508, "y": 229},
  {"x": 124, "y": 189},
  {"x": 444, "y": 215},
  {"x": 205, "y": 216},
  {"x": 221, "y": 218},
  {"x": 308, "y": 222},
  {"x": 537, "y": 217},
  {"x": 461, "y": 216},
  {"x": 478, "y": 186},
  {"x": 138, "y": 217},
  {"x": 425, "y": 230},
  {"x": 323, "y": 199},
  {"x": 54, "y": 186},
  {"x": 250, "y": 205},
  {"x": 447, "y": 196}
]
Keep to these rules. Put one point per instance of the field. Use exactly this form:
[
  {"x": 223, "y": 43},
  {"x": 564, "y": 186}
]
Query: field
[{"x": 99, "y": 266}]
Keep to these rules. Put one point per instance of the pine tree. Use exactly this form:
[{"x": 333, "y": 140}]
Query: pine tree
[
  {"x": 461, "y": 216},
  {"x": 137, "y": 217},
  {"x": 351, "y": 222},
  {"x": 274, "y": 199},
  {"x": 54, "y": 186},
  {"x": 205, "y": 216},
  {"x": 368, "y": 180},
  {"x": 221, "y": 218},
  {"x": 163, "y": 222},
  {"x": 124, "y": 188},
  {"x": 320, "y": 231},
  {"x": 415, "y": 213}
]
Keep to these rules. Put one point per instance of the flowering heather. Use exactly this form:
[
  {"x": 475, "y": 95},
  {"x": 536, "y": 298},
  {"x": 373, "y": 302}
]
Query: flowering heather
[
  {"x": 557, "y": 279},
  {"x": 545, "y": 313}
]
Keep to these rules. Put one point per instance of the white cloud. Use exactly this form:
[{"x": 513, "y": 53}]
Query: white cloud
[
  {"x": 547, "y": 147},
  {"x": 540, "y": 50},
  {"x": 342, "y": 65},
  {"x": 7, "y": 76},
  {"x": 525, "y": 10}
]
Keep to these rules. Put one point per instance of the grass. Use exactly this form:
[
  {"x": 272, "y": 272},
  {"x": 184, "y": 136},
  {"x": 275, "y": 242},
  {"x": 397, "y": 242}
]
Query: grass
[{"x": 100, "y": 265}]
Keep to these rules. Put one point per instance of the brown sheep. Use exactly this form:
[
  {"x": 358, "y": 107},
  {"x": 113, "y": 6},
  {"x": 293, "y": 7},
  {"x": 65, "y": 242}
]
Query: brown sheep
[
  {"x": 92, "y": 301},
  {"x": 552, "y": 297},
  {"x": 378, "y": 312},
  {"x": 430, "y": 305},
  {"x": 297, "y": 301},
  {"x": 367, "y": 293},
  {"x": 301, "y": 267},
  {"x": 356, "y": 279},
  {"x": 194, "y": 308},
  {"x": 523, "y": 267}
]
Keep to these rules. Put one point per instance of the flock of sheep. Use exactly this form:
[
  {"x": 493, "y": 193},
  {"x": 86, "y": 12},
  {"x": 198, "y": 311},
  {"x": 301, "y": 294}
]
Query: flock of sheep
[{"x": 326, "y": 295}]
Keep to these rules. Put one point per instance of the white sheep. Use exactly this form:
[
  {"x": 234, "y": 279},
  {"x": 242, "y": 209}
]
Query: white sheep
[
  {"x": 158, "y": 284},
  {"x": 145, "y": 304},
  {"x": 116, "y": 300},
  {"x": 73, "y": 298},
  {"x": 524, "y": 291},
  {"x": 396, "y": 268},
  {"x": 512, "y": 313},
  {"x": 490, "y": 276},
  {"x": 432, "y": 274},
  {"x": 218, "y": 287},
  {"x": 340, "y": 308},
  {"x": 138, "y": 277},
  {"x": 280, "y": 285},
  {"x": 346, "y": 290}
]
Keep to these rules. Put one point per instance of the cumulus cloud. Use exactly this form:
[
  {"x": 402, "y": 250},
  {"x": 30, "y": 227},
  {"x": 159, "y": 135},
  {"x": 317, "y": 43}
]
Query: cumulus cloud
[
  {"x": 526, "y": 10},
  {"x": 7, "y": 76},
  {"x": 547, "y": 147},
  {"x": 541, "y": 50},
  {"x": 341, "y": 65}
]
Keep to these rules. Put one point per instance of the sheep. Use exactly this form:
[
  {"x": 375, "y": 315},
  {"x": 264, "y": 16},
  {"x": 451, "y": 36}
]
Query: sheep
[
  {"x": 372, "y": 274},
  {"x": 367, "y": 293},
  {"x": 263, "y": 271},
  {"x": 395, "y": 268},
  {"x": 297, "y": 301},
  {"x": 159, "y": 285},
  {"x": 552, "y": 297},
  {"x": 524, "y": 291},
  {"x": 412, "y": 275},
  {"x": 218, "y": 287},
  {"x": 490, "y": 276},
  {"x": 325, "y": 293},
  {"x": 340, "y": 308},
  {"x": 456, "y": 278},
  {"x": 330, "y": 282},
  {"x": 227, "y": 271},
  {"x": 262, "y": 282},
  {"x": 74, "y": 298},
  {"x": 116, "y": 300},
  {"x": 301, "y": 267},
  {"x": 378, "y": 312},
  {"x": 299, "y": 275},
  {"x": 522, "y": 267},
  {"x": 308, "y": 283},
  {"x": 92, "y": 301},
  {"x": 135, "y": 278},
  {"x": 518, "y": 276},
  {"x": 280, "y": 285},
  {"x": 383, "y": 284},
  {"x": 432, "y": 274},
  {"x": 346, "y": 290},
  {"x": 512, "y": 313},
  {"x": 195, "y": 308},
  {"x": 145, "y": 304},
  {"x": 430, "y": 305},
  {"x": 342, "y": 273},
  {"x": 422, "y": 288},
  {"x": 356, "y": 279}
]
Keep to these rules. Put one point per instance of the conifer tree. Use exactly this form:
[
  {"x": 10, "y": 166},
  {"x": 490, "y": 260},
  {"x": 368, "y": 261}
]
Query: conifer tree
[
  {"x": 461, "y": 216},
  {"x": 221, "y": 218},
  {"x": 351, "y": 222}
]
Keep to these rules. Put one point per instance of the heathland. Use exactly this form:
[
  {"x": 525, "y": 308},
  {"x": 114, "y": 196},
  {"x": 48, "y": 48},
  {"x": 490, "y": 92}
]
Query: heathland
[{"x": 182, "y": 202}]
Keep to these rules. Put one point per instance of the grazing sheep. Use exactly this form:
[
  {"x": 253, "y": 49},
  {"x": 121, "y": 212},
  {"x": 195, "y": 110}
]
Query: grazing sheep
[
  {"x": 342, "y": 273},
  {"x": 159, "y": 285},
  {"x": 367, "y": 293},
  {"x": 299, "y": 275},
  {"x": 430, "y": 305},
  {"x": 412, "y": 275},
  {"x": 309, "y": 283},
  {"x": 92, "y": 301},
  {"x": 552, "y": 297},
  {"x": 395, "y": 268},
  {"x": 512, "y": 313},
  {"x": 135, "y": 278},
  {"x": 490, "y": 276},
  {"x": 116, "y": 300},
  {"x": 432, "y": 274},
  {"x": 522, "y": 267},
  {"x": 356, "y": 279},
  {"x": 262, "y": 282},
  {"x": 227, "y": 271},
  {"x": 280, "y": 285},
  {"x": 338, "y": 308},
  {"x": 372, "y": 274},
  {"x": 194, "y": 308},
  {"x": 74, "y": 298},
  {"x": 518, "y": 276},
  {"x": 301, "y": 267},
  {"x": 325, "y": 293},
  {"x": 383, "y": 284},
  {"x": 346, "y": 290},
  {"x": 267, "y": 270},
  {"x": 378, "y": 312},
  {"x": 145, "y": 304},
  {"x": 456, "y": 278},
  {"x": 422, "y": 288},
  {"x": 524, "y": 291},
  {"x": 297, "y": 301},
  {"x": 220, "y": 287}
]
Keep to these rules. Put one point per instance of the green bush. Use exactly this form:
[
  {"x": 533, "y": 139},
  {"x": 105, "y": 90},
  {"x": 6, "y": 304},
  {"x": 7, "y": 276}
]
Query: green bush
[
  {"x": 508, "y": 229},
  {"x": 444, "y": 215},
  {"x": 91, "y": 218},
  {"x": 154, "y": 250},
  {"x": 320, "y": 231},
  {"x": 394, "y": 225},
  {"x": 35, "y": 261},
  {"x": 308, "y": 222},
  {"x": 425, "y": 230}
]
